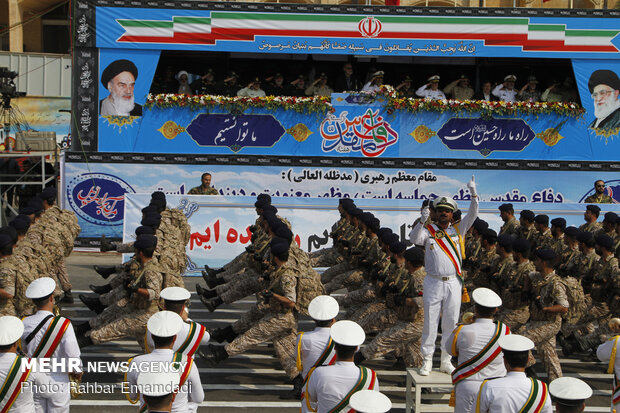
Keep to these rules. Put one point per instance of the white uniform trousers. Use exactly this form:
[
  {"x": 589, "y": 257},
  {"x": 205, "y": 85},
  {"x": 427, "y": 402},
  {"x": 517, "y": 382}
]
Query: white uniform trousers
[{"x": 441, "y": 298}]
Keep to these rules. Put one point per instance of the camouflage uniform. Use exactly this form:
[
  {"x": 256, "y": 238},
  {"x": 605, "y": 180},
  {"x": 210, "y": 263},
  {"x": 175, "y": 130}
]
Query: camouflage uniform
[
  {"x": 116, "y": 322},
  {"x": 511, "y": 227},
  {"x": 199, "y": 190},
  {"x": 599, "y": 199},
  {"x": 327, "y": 257},
  {"x": 585, "y": 268},
  {"x": 276, "y": 323},
  {"x": 558, "y": 245},
  {"x": 569, "y": 262},
  {"x": 593, "y": 227},
  {"x": 515, "y": 311},
  {"x": 543, "y": 326},
  {"x": 480, "y": 275},
  {"x": 528, "y": 233},
  {"x": 543, "y": 239}
]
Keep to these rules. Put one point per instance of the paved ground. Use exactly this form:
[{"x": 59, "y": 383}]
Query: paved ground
[{"x": 253, "y": 381}]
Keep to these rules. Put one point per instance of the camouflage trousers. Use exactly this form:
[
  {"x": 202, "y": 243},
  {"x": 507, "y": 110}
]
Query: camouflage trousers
[
  {"x": 353, "y": 300},
  {"x": 543, "y": 333},
  {"x": 411, "y": 354},
  {"x": 281, "y": 329},
  {"x": 247, "y": 286},
  {"x": 595, "y": 313},
  {"x": 325, "y": 257},
  {"x": 367, "y": 309},
  {"x": 515, "y": 318},
  {"x": 378, "y": 320},
  {"x": 126, "y": 324},
  {"x": 63, "y": 275},
  {"x": 351, "y": 280},
  {"x": 399, "y": 335},
  {"x": 334, "y": 271},
  {"x": 237, "y": 264},
  {"x": 248, "y": 319},
  {"x": 113, "y": 296},
  {"x": 234, "y": 282},
  {"x": 172, "y": 280}
]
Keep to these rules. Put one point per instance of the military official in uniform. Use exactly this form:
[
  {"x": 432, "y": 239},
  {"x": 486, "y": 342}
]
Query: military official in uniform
[
  {"x": 599, "y": 196},
  {"x": 205, "y": 188}
]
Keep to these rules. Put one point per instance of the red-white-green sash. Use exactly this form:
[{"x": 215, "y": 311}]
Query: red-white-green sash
[
  {"x": 536, "y": 400},
  {"x": 52, "y": 337},
  {"x": 366, "y": 381},
  {"x": 12, "y": 386},
  {"x": 490, "y": 351},
  {"x": 448, "y": 246},
  {"x": 327, "y": 358},
  {"x": 193, "y": 340},
  {"x": 177, "y": 359}
]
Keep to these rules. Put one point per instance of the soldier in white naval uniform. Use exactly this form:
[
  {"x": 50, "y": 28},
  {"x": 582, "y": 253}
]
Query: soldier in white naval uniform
[
  {"x": 18, "y": 398},
  {"x": 443, "y": 284},
  {"x": 506, "y": 91},
  {"x": 431, "y": 89},
  {"x": 608, "y": 353},
  {"x": 47, "y": 336},
  {"x": 164, "y": 326},
  {"x": 476, "y": 346},
  {"x": 569, "y": 394},
  {"x": 331, "y": 387},
  {"x": 511, "y": 393},
  {"x": 316, "y": 348},
  {"x": 175, "y": 299}
]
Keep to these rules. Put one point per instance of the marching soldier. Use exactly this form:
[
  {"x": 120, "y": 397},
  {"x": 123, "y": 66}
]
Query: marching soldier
[
  {"x": 590, "y": 216},
  {"x": 515, "y": 392},
  {"x": 558, "y": 226},
  {"x": 164, "y": 327},
  {"x": 543, "y": 237},
  {"x": 527, "y": 230},
  {"x": 331, "y": 387},
  {"x": 571, "y": 254},
  {"x": 609, "y": 225},
  {"x": 511, "y": 225},
  {"x": 587, "y": 259},
  {"x": 515, "y": 310},
  {"x": 49, "y": 336},
  {"x": 476, "y": 346},
  {"x": 315, "y": 348}
]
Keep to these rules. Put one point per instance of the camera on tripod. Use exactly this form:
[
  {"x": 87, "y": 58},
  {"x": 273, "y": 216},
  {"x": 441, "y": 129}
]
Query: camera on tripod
[{"x": 7, "y": 84}]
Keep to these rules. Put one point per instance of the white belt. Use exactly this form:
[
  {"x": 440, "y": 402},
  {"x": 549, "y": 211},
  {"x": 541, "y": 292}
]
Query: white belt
[{"x": 442, "y": 278}]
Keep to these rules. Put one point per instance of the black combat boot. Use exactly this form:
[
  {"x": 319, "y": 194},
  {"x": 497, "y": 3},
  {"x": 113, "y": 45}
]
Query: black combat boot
[
  {"x": 214, "y": 355},
  {"x": 67, "y": 298},
  {"x": 92, "y": 303},
  {"x": 587, "y": 344},
  {"x": 295, "y": 394},
  {"x": 105, "y": 272},
  {"x": 212, "y": 303},
  {"x": 358, "y": 358},
  {"x": 100, "y": 289},
  {"x": 224, "y": 334},
  {"x": 203, "y": 292},
  {"x": 81, "y": 329},
  {"x": 84, "y": 341}
]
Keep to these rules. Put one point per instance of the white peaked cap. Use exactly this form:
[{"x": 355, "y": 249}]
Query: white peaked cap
[
  {"x": 175, "y": 294},
  {"x": 370, "y": 401},
  {"x": 445, "y": 201},
  {"x": 165, "y": 324},
  {"x": 158, "y": 384},
  {"x": 323, "y": 308},
  {"x": 570, "y": 389},
  {"x": 432, "y": 78},
  {"x": 347, "y": 333},
  {"x": 515, "y": 342},
  {"x": 11, "y": 330},
  {"x": 41, "y": 287},
  {"x": 486, "y": 297}
]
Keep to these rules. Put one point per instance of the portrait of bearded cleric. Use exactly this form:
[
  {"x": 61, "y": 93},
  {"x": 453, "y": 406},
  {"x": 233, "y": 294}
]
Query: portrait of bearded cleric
[
  {"x": 604, "y": 87},
  {"x": 119, "y": 78}
]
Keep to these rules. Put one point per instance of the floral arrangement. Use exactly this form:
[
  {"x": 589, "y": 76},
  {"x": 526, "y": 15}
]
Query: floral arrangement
[
  {"x": 322, "y": 104},
  {"x": 307, "y": 105}
]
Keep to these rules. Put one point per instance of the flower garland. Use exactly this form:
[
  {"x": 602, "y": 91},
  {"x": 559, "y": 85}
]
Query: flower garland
[
  {"x": 307, "y": 105},
  {"x": 322, "y": 104}
]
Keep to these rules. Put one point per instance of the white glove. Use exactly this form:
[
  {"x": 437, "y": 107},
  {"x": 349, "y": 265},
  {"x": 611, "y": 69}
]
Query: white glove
[
  {"x": 426, "y": 212},
  {"x": 471, "y": 185}
]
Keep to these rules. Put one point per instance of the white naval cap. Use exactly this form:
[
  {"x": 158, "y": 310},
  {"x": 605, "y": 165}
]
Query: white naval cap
[
  {"x": 445, "y": 202},
  {"x": 370, "y": 401},
  {"x": 323, "y": 308},
  {"x": 486, "y": 297},
  {"x": 515, "y": 342},
  {"x": 434, "y": 78},
  {"x": 347, "y": 333},
  {"x": 41, "y": 287},
  {"x": 175, "y": 294},
  {"x": 569, "y": 391},
  {"x": 510, "y": 78},
  {"x": 164, "y": 324},
  {"x": 158, "y": 384},
  {"x": 11, "y": 330}
]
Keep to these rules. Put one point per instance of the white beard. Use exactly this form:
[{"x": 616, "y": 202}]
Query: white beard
[
  {"x": 122, "y": 106},
  {"x": 604, "y": 110}
]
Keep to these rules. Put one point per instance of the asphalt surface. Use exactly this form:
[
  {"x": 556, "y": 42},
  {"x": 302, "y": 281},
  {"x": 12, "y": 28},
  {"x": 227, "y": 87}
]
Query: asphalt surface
[{"x": 254, "y": 381}]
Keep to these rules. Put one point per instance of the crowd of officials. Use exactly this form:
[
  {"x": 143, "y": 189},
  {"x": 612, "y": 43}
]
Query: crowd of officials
[{"x": 496, "y": 296}]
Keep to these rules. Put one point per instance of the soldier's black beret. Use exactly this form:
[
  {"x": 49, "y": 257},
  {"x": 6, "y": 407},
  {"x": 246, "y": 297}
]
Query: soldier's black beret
[
  {"x": 571, "y": 231},
  {"x": 151, "y": 220},
  {"x": 480, "y": 225},
  {"x": 504, "y": 240},
  {"x": 5, "y": 240},
  {"x": 605, "y": 241},
  {"x": 48, "y": 193},
  {"x": 490, "y": 235},
  {"x": 367, "y": 217},
  {"x": 374, "y": 224},
  {"x": 398, "y": 247},
  {"x": 542, "y": 219},
  {"x": 383, "y": 231},
  {"x": 261, "y": 203},
  {"x": 11, "y": 232},
  {"x": 20, "y": 222},
  {"x": 117, "y": 67},
  {"x": 584, "y": 236},
  {"x": 611, "y": 217},
  {"x": 521, "y": 245},
  {"x": 145, "y": 241},
  {"x": 390, "y": 239},
  {"x": 158, "y": 195},
  {"x": 150, "y": 210},
  {"x": 26, "y": 210},
  {"x": 559, "y": 222},
  {"x": 414, "y": 254},
  {"x": 158, "y": 203},
  {"x": 355, "y": 212},
  {"x": 269, "y": 209},
  {"x": 593, "y": 208},
  {"x": 506, "y": 207},
  {"x": 546, "y": 254},
  {"x": 266, "y": 198},
  {"x": 347, "y": 203},
  {"x": 36, "y": 204},
  {"x": 283, "y": 232},
  {"x": 279, "y": 245},
  {"x": 144, "y": 230},
  {"x": 527, "y": 214}
]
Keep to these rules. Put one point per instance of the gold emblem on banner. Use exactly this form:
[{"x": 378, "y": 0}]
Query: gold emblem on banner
[
  {"x": 300, "y": 132},
  {"x": 170, "y": 129},
  {"x": 550, "y": 136},
  {"x": 120, "y": 121},
  {"x": 422, "y": 133}
]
